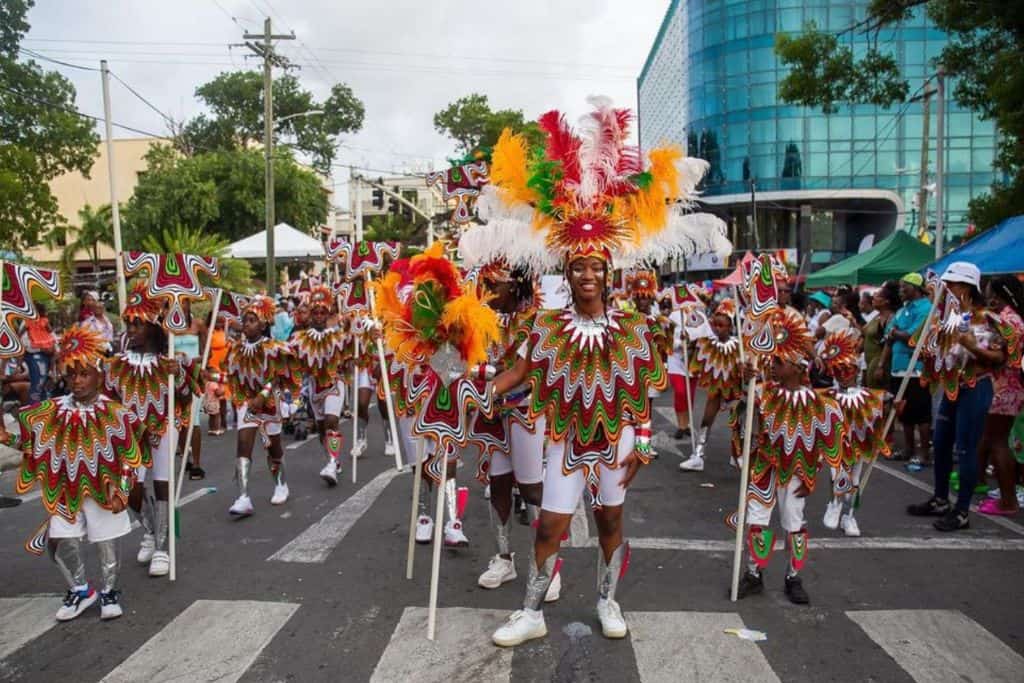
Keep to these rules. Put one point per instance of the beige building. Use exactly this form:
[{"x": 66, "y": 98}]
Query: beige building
[{"x": 73, "y": 191}]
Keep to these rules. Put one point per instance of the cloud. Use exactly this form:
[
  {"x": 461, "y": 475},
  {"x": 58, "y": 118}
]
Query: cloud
[{"x": 404, "y": 59}]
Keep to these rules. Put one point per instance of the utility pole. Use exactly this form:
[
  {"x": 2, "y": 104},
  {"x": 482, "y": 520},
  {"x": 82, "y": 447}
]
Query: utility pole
[
  {"x": 922, "y": 193},
  {"x": 266, "y": 51},
  {"x": 940, "y": 164},
  {"x": 115, "y": 211}
]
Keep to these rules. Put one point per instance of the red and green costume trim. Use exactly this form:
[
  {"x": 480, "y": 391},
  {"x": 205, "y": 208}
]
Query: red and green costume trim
[
  {"x": 863, "y": 412},
  {"x": 320, "y": 353},
  {"x": 76, "y": 451},
  {"x": 716, "y": 367},
  {"x": 139, "y": 382},
  {"x": 250, "y": 366}
]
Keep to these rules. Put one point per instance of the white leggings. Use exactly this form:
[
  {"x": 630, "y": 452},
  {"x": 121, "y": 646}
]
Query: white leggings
[
  {"x": 562, "y": 491},
  {"x": 527, "y": 457}
]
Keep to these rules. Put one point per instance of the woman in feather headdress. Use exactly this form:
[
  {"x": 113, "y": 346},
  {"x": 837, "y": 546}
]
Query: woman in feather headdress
[{"x": 581, "y": 203}]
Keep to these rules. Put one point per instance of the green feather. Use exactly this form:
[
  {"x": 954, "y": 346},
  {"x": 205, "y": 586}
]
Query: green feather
[
  {"x": 427, "y": 307},
  {"x": 642, "y": 180},
  {"x": 544, "y": 176}
]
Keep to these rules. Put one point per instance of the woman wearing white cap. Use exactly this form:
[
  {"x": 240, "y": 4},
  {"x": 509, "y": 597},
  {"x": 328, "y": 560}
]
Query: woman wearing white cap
[{"x": 962, "y": 362}]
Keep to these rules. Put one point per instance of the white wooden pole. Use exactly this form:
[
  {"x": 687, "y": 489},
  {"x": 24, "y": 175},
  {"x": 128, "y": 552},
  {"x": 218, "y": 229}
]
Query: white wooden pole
[
  {"x": 689, "y": 390},
  {"x": 196, "y": 400},
  {"x": 355, "y": 408},
  {"x": 741, "y": 510},
  {"x": 388, "y": 399},
  {"x": 172, "y": 432},
  {"x": 435, "y": 567},
  {"x": 417, "y": 474}
]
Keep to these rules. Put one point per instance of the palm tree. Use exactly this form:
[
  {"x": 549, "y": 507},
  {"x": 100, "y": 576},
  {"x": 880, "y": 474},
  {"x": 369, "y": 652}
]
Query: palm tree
[
  {"x": 235, "y": 274},
  {"x": 95, "y": 229}
]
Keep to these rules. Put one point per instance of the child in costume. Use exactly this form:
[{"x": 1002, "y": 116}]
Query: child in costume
[
  {"x": 259, "y": 369},
  {"x": 586, "y": 201},
  {"x": 319, "y": 350},
  {"x": 795, "y": 426},
  {"x": 715, "y": 364},
  {"x": 863, "y": 412},
  {"x": 83, "y": 449},
  {"x": 511, "y": 443},
  {"x": 137, "y": 377}
]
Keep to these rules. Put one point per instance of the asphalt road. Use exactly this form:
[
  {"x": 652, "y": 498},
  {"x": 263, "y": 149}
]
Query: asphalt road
[{"x": 315, "y": 590}]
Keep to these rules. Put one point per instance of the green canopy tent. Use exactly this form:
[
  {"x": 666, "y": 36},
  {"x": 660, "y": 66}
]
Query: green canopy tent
[{"x": 890, "y": 259}]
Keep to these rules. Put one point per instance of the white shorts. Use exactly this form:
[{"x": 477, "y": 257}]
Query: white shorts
[
  {"x": 562, "y": 492},
  {"x": 365, "y": 380},
  {"x": 410, "y": 442},
  {"x": 331, "y": 404},
  {"x": 92, "y": 521},
  {"x": 272, "y": 427},
  {"x": 161, "y": 462},
  {"x": 526, "y": 460},
  {"x": 791, "y": 508}
]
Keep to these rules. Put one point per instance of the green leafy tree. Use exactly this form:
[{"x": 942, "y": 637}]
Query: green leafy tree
[
  {"x": 985, "y": 56},
  {"x": 221, "y": 193},
  {"x": 474, "y": 126},
  {"x": 96, "y": 229},
  {"x": 235, "y": 120},
  {"x": 40, "y": 136},
  {"x": 235, "y": 274},
  {"x": 396, "y": 228}
]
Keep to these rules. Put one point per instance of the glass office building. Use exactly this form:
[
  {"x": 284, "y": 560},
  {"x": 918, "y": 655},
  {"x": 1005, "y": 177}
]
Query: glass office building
[{"x": 823, "y": 182}]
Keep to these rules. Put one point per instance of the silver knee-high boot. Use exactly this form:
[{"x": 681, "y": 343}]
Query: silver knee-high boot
[
  {"x": 242, "y": 468},
  {"x": 66, "y": 553},
  {"x": 538, "y": 580},
  {"x": 609, "y": 573},
  {"x": 501, "y": 532},
  {"x": 110, "y": 563}
]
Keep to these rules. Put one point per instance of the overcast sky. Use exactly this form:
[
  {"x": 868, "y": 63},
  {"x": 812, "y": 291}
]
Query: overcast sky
[{"x": 404, "y": 59}]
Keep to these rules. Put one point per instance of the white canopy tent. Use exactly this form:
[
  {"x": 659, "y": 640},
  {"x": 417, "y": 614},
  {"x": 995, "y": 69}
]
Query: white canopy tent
[{"x": 289, "y": 243}]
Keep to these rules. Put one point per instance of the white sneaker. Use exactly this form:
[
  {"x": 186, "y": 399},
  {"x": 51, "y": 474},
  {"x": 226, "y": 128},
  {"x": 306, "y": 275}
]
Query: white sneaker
[
  {"x": 554, "y": 589},
  {"x": 110, "y": 607},
  {"x": 694, "y": 463},
  {"x": 146, "y": 549},
  {"x": 330, "y": 473},
  {"x": 242, "y": 507},
  {"x": 499, "y": 571},
  {"x": 612, "y": 623},
  {"x": 424, "y": 529},
  {"x": 160, "y": 565},
  {"x": 75, "y": 603},
  {"x": 487, "y": 492},
  {"x": 389, "y": 448},
  {"x": 850, "y": 526},
  {"x": 453, "y": 536},
  {"x": 522, "y": 625},
  {"x": 832, "y": 512},
  {"x": 280, "y": 496}
]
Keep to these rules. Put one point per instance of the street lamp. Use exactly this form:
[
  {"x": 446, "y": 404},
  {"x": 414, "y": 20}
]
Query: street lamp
[{"x": 268, "y": 143}]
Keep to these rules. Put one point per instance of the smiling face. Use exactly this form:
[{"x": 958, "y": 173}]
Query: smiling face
[{"x": 587, "y": 278}]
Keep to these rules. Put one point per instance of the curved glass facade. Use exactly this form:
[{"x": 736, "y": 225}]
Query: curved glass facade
[{"x": 722, "y": 53}]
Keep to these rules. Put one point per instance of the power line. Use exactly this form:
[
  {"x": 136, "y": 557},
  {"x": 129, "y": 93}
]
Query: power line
[
  {"x": 36, "y": 55},
  {"x": 170, "y": 122},
  {"x": 70, "y": 110}
]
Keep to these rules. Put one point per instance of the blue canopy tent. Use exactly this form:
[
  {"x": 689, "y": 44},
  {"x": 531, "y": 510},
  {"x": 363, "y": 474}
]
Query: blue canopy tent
[{"x": 997, "y": 251}]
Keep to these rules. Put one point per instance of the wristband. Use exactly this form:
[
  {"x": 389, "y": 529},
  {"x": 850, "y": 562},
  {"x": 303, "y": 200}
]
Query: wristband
[
  {"x": 125, "y": 482},
  {"x": 265, "y": 392},
  {"x": 642, "y": 443}
]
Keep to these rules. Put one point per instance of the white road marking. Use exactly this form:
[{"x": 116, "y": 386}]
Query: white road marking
[
  {"x": 928, "y": 488},
  {"x": 316, "y": 543},
  {"x": 710, "y": 653},
  {"x": 668, "y": 413},
  {"x": 579, "y": 527},
  {"x": 196, "y": 495},
  {"x": 212, "y": 640},
  {"x": 838, "y": 543},
  {"x": 941, "y": 645},
  {"x": 24, "y": 619},
  {"x": 300, "y": 444},
  {"x": 462, "y": 652}
]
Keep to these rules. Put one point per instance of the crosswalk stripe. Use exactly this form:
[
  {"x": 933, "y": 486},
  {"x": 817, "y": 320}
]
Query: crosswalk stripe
[
  {"x": 462, "y": 652},
  {"x": 212, "y": 640},
  {"x": 837, "y": 543},
  {"x": 710, "y": 653},
  {"x": 25, "y": 619},
  {"x": 941, "y": 645},
  {"x": 316, "y": 543}
]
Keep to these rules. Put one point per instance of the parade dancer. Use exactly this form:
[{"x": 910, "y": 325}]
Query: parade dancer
[
  {"x": 83, "y": 449},
  {"x": 863, "y": 413},
  {"x": 137, "y": 377},
  {"x": 794, "y": 427},
  {"x": 590, "y": 365},
  {"x": 715, "y": 364},
  {"x": 511, "y": 442},
  {"x": 319, "y": 351},
  {"x": 258, "y": 370},
  {"x": 642, "y": 287}
]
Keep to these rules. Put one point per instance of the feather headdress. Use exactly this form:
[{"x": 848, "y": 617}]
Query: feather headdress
[
  {"x": 587, "y": 193},
  {"x": 642, "y": 283},
  {"x": 80, "y": 346},
  {"x": 840, "y": 352},
  {"x": 321, "y": 297},
  {"x": 141, "y": 306},
  {"x": 262, "y": 306}
]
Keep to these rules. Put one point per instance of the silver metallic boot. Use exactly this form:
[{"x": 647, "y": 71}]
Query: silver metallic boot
[
  {"x": 242, "y": 507},
  {"x": 280, "y": 485},
  {"x": 453, "y": 534},
  {"x": 109, "y": 554},
  {"x": 160, "y": 565},
  {"x": 695, "y": 463},
  {"x": 67, "y": 555},
  {"x": 528, "y": 623},
  {"x": 608, "y": 575},
  {"x": 147, "y": 520}
]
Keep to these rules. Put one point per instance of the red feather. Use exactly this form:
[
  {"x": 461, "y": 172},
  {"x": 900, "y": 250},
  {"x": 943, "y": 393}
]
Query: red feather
[
  {"x": 562, "y": 144},
  {"x": 441, "y": 270}
]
